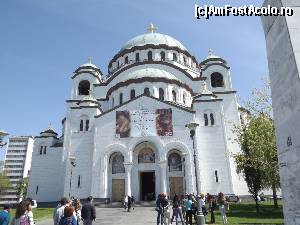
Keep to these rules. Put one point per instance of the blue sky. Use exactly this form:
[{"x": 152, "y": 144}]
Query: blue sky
[{"x": 43, "y": 42}]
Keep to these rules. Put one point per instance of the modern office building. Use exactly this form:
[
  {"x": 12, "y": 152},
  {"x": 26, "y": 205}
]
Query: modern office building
[{"x": 17, "y": 163}]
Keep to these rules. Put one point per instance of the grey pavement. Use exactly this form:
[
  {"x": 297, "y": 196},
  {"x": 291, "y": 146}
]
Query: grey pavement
[{"x": 116, "y": 216}]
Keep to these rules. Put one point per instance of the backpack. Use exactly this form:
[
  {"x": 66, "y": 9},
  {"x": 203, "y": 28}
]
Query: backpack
[{"x": 24, "y": 220}]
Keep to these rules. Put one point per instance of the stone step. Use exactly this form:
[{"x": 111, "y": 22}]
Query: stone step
[{"x": 120, "y": 204}]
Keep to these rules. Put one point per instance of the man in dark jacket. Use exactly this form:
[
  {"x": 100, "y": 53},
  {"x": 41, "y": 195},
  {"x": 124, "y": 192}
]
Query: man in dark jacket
[{"x": 88, "y": 212}]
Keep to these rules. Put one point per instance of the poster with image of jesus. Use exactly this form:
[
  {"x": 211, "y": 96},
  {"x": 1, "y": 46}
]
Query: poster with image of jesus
[
  {"x": 164, "y": 126},
  {"x": 123, "y": 124}
]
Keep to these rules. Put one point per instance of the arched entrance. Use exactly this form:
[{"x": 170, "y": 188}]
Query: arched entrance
[
  {"x": 176, "y": 173},
  {"x": 117, "y": 172},
  {"x": 145, "y": 172}
]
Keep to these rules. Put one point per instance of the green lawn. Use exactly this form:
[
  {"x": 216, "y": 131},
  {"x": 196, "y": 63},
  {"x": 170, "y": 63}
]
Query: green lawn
[
  {"x": 245, "y": 213},
  {"x": 38, "y": 213}
]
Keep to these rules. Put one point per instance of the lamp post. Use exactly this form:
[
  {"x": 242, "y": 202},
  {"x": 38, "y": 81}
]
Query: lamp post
[
  {"x": 73, "y": 164},
  {"x": 2, "y": 135},
  {"x": 200, "y": 217}
]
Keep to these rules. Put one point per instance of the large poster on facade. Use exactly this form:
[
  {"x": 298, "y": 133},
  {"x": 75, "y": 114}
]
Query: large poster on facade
[
  {"x": 144, "y": 122},
  {"x": 164, "y": 125},
  {"x": 123, "y": 124}
]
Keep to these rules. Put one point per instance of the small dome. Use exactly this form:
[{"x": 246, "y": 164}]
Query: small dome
[
  {"x": 89, "y": 66},
  {"x": 154, "y": 39},
  {"x": 48, "y": 132},
  {"x": 149, "y": 72},
  {"x": 211, "y": 55}
]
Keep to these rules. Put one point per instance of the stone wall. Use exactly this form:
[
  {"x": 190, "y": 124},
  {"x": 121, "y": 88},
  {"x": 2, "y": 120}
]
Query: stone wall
[{"x": 283, "y": 48}]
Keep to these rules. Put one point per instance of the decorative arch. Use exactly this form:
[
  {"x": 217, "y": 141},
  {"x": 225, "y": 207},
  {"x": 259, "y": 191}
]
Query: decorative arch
[
  {"x": 155, "y": 141},
  {"x": 110, "y": 149},
  {"x": 146, "y": 155},
  {"x": 175, "y": 162},
  {"x": 116, "y": 160},
  {"x": 216, "y": 80},
  {"x": 84, "y": 87}
]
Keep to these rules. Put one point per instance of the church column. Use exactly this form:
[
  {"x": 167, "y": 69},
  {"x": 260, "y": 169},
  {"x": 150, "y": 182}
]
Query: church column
[
  {"x": 128, "y": 167},
  {"x": 104, "y": 177},
  {"x": 163, "y": 176}
]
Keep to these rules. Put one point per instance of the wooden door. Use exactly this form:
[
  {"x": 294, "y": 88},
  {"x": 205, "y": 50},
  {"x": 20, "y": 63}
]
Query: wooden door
[
  {"x": 118, "y": 190},
  {"x": 176, "y": 186}
]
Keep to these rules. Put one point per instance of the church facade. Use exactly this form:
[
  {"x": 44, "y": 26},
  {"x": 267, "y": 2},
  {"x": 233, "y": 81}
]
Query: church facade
[{"x": 125, "y": 132}]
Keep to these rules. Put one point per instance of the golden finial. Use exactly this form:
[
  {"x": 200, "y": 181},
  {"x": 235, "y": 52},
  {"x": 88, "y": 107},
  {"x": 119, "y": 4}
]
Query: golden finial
[{"x": 151, "y": 28}]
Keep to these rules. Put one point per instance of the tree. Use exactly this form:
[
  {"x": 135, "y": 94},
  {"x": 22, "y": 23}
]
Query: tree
[
  {"x": 21, "y": 187},
  {"x": 257, "y": 139},
  {"x": 4, "y": 183}
]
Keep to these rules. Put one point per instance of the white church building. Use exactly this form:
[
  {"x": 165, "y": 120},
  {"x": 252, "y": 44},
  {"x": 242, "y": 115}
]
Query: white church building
[{"x": 125, "y": 132}]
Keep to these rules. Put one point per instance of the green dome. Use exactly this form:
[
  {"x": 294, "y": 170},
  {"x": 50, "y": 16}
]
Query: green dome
[{"x": 153, "y": 38}]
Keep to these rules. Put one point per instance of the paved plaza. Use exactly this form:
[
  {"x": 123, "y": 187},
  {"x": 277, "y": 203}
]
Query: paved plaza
[{"x": 117, "y": 216}]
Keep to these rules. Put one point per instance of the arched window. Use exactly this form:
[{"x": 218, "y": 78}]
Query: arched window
[
  {"x": 118, "y": 64},
  {"x": 132, "y": 94},
  {"x": 41, "y": 150},
  {"x": 174, "y": 162},
  {"x": 174, "y": 96},
  {"x": 37, "y": 190},
  {"x": 45, "y": 150},
  {"x": 162, "y": 56},
  {"x": 147, "y": 91},
  {"x": 113, "y": 102},
  {"x": 117, "y": 163},
  {"x": 184, "y": 60},
  {"x": 84, "y": 87},
  {"x": 217, "y": 80},
  {"x": 121, "y": 98},
  {"x": 205, "y": 120},
  {"x": 146, "y": 155},
  {"x": 161, "y": 94},
  {"x": 184, "y": 98},
  {"x": 150, "y": 56},
  {"x": 126, "y": 60},
  {"x": 84, "y": 123},
  {"x": 212, "y": 119},
  {"x": 174, "y": 57},
  {"x": 87, "y": 124},
  {"x": 81, "y": 125},
  {"x": 137, "y": 57}
]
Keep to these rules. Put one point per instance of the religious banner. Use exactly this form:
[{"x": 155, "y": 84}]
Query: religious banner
[
  {"x": 144, "y": 122},
  {"x": 122, "y": 124},
  {"x": 164, "y": 126}
]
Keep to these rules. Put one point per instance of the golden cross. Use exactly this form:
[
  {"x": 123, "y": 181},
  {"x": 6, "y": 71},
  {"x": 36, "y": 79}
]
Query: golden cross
[
  {"x": 210, "y": 52},
  {"x": 90, "y": 60},
  {"x": 151, "y": 28}
]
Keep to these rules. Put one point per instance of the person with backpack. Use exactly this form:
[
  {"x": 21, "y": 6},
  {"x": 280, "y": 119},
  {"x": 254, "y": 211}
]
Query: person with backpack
[
  {"x": 88, "y": 212},
  {"x": 58, "y": 212},
  {"x": 176, "y": 210},
  {"x": 5, "y": 214},
  {"x": 22, "y": 217},
  {"x": 68, "y": 218}
]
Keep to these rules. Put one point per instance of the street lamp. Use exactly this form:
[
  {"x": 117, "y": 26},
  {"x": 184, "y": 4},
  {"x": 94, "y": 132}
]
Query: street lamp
[
  {"x": 200, "y": 217},
  {"x": 2, "y": 135},
  {"x": 73, "y": 164}
]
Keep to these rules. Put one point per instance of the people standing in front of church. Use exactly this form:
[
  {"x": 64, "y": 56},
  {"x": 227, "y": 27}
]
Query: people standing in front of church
[
  {"x": 212, "y": 204},
  {"x": 58, "y": 212},
  {"x": 188, "y": 208},
  {"x": 5, "y": 214},
  {"x": 88, "y": 212},
  {"x": 129, "y": 203},
  {"x": 77, "y": 210},
  {"x": 221, "y": 203},
  {"x": 161, "y": 204},
  {"x": 176, "y": 210}
]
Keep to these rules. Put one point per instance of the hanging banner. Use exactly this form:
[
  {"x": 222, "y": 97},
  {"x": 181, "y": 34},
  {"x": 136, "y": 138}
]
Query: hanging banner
[
  {"x": 144, "y": 122},
  {"x": 122, "y": 124},
  {"x": 164, "y": 126}
]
